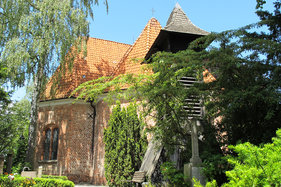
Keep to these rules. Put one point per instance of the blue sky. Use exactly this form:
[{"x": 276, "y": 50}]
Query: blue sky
[{"x": 126, "y": 18}]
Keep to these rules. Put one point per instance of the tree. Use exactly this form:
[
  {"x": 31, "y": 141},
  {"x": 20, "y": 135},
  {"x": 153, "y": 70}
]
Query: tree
[
  {"x": 14, "y": 120},
  {"x": 20, "y": 148},
  {"x": 247, "y": 87},
  {"x": 125, "y": 144},
  {"x": 35, "y": 37},
  {"x": 245, "y": 93}
]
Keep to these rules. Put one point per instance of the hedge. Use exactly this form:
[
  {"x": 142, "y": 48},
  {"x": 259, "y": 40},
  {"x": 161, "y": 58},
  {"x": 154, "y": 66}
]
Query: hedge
[
  {"x": 36, "y": 182},
  {"x": 54, "y": 177}
]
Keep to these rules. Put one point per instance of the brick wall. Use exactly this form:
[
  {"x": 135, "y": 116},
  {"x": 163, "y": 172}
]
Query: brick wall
[{"x": 77, "y": 158}]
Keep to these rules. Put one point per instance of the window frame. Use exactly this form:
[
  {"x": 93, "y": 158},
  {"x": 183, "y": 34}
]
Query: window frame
[
  {"x": 47, "y": 143},
  {"x": 50, "y": 143}
]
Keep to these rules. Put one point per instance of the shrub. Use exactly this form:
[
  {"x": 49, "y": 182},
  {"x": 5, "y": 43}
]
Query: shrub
[
  {"x": 124, "y": 145},
  {"x": 18, "y": 167},
  {"x": 209, "y": 184},
  {"x": 214, "y": 167},
  {"x": 54, "y": 177},
  {"x": 172, "y": 175},
  {"x": 38, "y": 182},
  {"x": 255, "y": 165},
  {"x": 47, "y": 182}
]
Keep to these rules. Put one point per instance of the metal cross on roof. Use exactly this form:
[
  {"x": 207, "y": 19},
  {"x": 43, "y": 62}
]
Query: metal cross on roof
[{"x": 152, "y": 12}]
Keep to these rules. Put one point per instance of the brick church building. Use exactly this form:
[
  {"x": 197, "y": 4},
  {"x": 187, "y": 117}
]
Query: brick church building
[{"x": 70, "y": 134}]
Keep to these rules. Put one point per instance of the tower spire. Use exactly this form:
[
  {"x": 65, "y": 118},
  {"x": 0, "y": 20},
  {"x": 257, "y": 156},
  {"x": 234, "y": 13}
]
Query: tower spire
[{"x": 179, "y": 22}]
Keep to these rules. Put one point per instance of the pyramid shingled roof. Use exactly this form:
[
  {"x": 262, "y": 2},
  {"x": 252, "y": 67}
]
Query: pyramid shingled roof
[{"x": 179, "y": 22}]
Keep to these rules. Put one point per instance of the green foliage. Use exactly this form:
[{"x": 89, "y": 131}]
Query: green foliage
[
  {"x": 256, "y": 165},
  {"x": 14, "y": 121},
  {"x": 54, "y": 177},
  {"x": 4, "y": 97},
  {"x": 247, "y": 89},
  {"x": 20, "y": 155},
  {"x": 90, "y": 90},
  {"x": 40, "y": 182},
  {"x": 39, "y": 34},
  {"x": 165, "y": 94},
  {"x": 149, "y": 185},
  {"x": 208, "y": 184},
  {"x": 21, "y": 143},
  {"x": 172, "y": 175},
  {"x": 214, "y": 162},
  {"x": 18, "y": 166},
  {"x": 125, "y": 145},
  {"x": 54, "y": 182},
  {"x": 214, "y": 167}
]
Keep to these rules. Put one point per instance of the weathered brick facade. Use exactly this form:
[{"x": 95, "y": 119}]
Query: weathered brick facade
[{"x": 80, "y": 146}]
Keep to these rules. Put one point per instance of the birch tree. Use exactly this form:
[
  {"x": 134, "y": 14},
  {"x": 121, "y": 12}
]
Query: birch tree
[{"x": 37, "y": 36}]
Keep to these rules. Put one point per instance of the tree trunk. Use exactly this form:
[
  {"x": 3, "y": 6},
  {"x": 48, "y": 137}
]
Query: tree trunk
[
  {"x": 38, "y": 82},
  {"x": 1, "y": 164},
  {"x": 9, "y": 163}
]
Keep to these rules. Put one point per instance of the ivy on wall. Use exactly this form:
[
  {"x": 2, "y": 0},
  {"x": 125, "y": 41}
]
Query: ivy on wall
[{"x": 125, "y": 144}]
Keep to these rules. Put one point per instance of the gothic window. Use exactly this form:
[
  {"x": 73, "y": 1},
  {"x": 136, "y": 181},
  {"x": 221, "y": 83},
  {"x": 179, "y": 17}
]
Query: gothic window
[
  {"x": 47, "y": 143},
  {"x": 51, "y": 144},
  {"x": 55, "y": 144}
]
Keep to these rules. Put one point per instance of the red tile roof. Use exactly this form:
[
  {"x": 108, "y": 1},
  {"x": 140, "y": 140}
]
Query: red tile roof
[
  {"x": 104, "y": 58},
  {"x": 137, "y": 52}
]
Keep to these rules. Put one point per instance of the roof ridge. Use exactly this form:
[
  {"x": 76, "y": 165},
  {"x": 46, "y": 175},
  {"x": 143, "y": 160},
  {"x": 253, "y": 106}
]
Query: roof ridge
[
  {"x": 136, "y": 41},
  {"x": 109, "y": 41}
]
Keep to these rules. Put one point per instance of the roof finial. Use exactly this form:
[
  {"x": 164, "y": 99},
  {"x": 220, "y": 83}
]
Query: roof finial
[{"x": 177, "y": 5}]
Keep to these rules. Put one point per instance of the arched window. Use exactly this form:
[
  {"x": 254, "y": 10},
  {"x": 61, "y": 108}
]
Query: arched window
[
  {"x": 51, "y": 144},
  {"x": 55, "y": 144},
  {"x": 47, "y": 143}
]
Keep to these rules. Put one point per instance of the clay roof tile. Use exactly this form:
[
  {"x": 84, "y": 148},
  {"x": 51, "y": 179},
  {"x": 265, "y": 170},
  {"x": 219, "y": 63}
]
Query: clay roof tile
[
  {"x": 103, "y": 57},
  {"x": 135, "y": 55}
]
